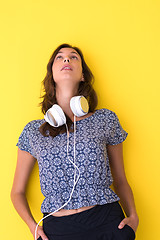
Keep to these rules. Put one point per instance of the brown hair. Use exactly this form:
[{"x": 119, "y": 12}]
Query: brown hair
[{"x": 49, "y": 97}]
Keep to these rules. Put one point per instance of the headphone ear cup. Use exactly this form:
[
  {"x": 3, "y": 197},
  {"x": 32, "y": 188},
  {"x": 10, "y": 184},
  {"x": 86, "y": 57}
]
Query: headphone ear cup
[
  {"x": 55, "y": 116},
  {"x": 79, "y": 106}
]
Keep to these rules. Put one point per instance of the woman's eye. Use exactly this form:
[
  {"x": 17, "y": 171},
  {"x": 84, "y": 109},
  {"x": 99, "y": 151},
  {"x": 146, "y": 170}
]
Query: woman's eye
[
  {"x": 58, "y": 57},
  {"x": 74, "y": 57}
]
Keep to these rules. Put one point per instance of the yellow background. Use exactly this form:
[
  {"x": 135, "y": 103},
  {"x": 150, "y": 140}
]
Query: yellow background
[{"x": 121, "y": 44}]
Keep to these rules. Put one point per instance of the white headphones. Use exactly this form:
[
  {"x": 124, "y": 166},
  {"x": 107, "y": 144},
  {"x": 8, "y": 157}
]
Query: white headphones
[{"x": 56, "y": 117}]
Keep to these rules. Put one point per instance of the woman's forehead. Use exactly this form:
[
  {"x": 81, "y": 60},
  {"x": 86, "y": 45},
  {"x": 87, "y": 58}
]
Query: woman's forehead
[{"x": 68, "y": 50}]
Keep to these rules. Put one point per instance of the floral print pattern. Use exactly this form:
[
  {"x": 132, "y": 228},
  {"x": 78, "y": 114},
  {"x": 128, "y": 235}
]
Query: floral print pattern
[{"x": 56, "y": 172}]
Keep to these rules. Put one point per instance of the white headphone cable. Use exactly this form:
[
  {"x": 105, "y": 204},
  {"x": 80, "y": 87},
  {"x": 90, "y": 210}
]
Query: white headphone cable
[
  {"x": 75, "y": 148},
  {"x": 74, "y": 179}
]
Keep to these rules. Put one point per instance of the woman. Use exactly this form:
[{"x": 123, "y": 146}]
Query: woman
[{"x": 90, "y": 210}]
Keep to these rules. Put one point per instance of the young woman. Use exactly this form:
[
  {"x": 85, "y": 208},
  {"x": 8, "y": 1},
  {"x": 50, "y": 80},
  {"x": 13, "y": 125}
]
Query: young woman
[{"x": 77, "y": 162}]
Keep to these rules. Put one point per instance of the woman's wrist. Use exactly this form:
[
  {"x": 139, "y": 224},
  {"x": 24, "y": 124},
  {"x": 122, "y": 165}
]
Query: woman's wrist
[
  {"x": 135, "y": 220},
  {"x": 134, "y": 215},
  {"x": 32, "y": 227}
]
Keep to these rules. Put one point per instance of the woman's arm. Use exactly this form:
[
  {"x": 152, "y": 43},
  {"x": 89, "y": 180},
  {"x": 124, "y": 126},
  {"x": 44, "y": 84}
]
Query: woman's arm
[
  {"x": 25, "y": 163},
  {"x": 121, "y": 186}
]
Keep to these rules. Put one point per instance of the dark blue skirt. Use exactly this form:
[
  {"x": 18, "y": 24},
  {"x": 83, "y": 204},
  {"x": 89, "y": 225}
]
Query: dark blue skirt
[{"x": 98, "y": 223}]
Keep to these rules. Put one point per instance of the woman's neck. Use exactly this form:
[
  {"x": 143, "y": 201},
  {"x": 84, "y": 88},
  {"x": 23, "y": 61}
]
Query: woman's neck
[{"x": 63, "y": 100}]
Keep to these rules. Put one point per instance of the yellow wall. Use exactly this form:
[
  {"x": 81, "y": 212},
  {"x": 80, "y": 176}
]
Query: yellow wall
[{"x": 121, "y": 43}]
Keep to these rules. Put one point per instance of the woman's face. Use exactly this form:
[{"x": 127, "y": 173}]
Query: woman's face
[{"x": 67, "y": 66}]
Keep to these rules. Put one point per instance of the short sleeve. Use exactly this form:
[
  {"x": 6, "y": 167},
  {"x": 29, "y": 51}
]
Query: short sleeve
[
  {"x": 25, "y": 140},
  {"x": 115, "y": 133}
]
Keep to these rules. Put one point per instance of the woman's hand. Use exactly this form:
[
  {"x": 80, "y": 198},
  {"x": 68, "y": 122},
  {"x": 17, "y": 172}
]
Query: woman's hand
[
  {"x": 132, "y": 221},
  {"x": 40, "y": 233}
]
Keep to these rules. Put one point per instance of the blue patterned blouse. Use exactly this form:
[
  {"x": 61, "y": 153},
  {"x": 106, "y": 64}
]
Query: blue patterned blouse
[{"x": 57, "y": 172}]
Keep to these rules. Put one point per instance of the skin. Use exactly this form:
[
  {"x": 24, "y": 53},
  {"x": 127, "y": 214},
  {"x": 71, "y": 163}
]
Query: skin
[{"x": 67, "y": 82}]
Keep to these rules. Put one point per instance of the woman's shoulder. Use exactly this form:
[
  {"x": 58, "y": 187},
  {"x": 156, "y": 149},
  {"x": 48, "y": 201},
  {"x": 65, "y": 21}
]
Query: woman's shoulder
[
  {"x": 105, "y": 111},
  {"x": 34, "y": 124},
  {"x": 106, "y": 114}
]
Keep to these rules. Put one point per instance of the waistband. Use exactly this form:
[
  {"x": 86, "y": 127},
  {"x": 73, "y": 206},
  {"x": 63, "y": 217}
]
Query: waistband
[{"x": 94, "y": 213}]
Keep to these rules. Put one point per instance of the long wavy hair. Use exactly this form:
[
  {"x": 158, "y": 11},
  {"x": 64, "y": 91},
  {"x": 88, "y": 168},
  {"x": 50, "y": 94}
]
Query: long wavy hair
[{"x": 49, "y": 89}]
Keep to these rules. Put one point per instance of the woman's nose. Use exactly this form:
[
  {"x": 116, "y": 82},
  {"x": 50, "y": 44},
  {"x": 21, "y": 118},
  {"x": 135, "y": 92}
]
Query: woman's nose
[{"x": 66, "y": 59}]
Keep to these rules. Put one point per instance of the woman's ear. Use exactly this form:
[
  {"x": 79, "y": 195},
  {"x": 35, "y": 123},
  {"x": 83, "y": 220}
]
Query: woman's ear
[{"x": 82, "y": 79}]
